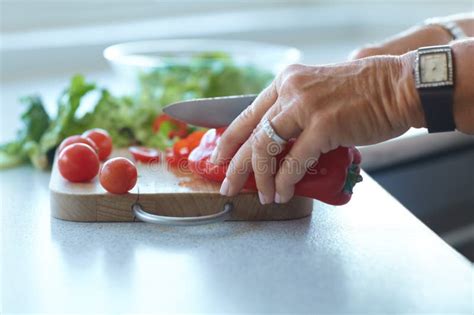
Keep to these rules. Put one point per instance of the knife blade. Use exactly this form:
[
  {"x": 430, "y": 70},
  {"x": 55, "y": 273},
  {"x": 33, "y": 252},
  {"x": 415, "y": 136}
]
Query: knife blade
[{"x": 210, "y": 112}]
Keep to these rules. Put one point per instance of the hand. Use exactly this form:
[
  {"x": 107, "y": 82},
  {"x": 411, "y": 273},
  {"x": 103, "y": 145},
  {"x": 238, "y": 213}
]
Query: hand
[
  {"x": 354, "y": 103},
  {"x": 417, "y": 36}
]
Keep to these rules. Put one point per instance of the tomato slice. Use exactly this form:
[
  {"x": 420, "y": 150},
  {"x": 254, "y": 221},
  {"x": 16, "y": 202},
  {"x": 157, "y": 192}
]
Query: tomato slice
[{"x": 144, "y": 154}]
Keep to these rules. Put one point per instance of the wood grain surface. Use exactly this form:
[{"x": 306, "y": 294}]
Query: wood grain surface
[{"x": 164, "y": 191}]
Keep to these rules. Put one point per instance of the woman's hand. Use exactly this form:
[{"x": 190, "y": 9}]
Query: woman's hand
[
  {"x": 417, "y": 36},
  {"x": 353, "y": 103}
]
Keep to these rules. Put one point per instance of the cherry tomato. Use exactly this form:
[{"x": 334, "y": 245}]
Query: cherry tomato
[
  {"x": 118, "y": 175},
  {"x": 102, "y": 140},
  {"x": 179, "y": 128},
  {"x": 78, "y": 163},
  {"x": 77, "y": 139},
  {"x": 144, "y": 154}
]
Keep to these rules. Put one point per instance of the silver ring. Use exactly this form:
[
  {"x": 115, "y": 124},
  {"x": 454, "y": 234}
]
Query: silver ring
[{"x": 271, "y": 133}]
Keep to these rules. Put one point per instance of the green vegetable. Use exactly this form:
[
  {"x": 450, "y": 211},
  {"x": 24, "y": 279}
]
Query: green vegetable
[
  {"x": 128, "y": 119},
  {"x": 40, "y": 136},
  {"x": 35, "y": 122},
  {"x": 205, "y": 75}
]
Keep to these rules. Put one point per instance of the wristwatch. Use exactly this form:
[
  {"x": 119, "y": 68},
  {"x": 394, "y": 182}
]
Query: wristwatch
[{"x": 434, "y": 79}]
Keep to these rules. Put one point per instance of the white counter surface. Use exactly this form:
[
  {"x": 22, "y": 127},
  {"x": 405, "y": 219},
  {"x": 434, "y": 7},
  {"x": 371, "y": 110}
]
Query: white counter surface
[{"x": 369, "y": 256}]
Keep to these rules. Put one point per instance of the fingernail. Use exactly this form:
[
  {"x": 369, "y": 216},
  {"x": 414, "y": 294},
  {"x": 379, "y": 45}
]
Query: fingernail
[
  {"x": 224, "y": 187},
  {"x": 213, "y": 158},
  {"x": 277, "y": 198},
  {"x": 262, "y": 198}
]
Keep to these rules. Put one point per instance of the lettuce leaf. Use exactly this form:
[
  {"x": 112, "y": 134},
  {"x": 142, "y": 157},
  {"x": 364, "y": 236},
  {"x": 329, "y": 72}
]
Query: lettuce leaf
[
  {"x": 35, "y": 121},
  {"x": 128, "y": 119}
]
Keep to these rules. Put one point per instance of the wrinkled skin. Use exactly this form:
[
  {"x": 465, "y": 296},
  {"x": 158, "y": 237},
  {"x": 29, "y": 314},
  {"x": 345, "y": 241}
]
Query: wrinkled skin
[{"x": 359, "y": 102}]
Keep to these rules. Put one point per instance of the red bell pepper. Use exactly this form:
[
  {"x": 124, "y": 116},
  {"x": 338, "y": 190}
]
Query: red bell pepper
[
  {"x": 177, "y": 156},
  {"x": 330, "y": 180}
]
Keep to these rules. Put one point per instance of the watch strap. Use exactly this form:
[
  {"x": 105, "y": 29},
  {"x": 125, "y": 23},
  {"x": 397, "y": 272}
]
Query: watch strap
[{"x": 438, "y": 107}]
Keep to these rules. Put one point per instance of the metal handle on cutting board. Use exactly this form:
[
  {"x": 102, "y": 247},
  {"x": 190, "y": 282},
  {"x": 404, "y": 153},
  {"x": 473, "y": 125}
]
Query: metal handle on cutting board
[{"x": 144, "y": 216}]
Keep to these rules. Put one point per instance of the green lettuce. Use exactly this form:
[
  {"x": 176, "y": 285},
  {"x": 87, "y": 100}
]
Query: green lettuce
[
  {"x": 129, "y": 118},
  {"x": 35, "y": 121}
]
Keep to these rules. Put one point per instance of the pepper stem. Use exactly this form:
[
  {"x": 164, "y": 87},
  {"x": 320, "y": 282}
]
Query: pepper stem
[{"x": 353, "y": 177}]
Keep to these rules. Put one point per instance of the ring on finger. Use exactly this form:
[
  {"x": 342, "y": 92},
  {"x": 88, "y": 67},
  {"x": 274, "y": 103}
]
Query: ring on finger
[{"x": 271, "y": 133}]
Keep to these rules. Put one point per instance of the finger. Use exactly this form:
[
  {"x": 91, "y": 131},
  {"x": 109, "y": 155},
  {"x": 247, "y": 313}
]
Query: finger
[
  {"x": 283, "y": 120},
  {"x": 411, "y": 39},
  {"x": 304, "y": 153},
  {"x": 238, "y": 171},
  {"x": 241, "y": 128},
  {"x": 264, "y": 165},
  {"x": 264, "y": 150}
]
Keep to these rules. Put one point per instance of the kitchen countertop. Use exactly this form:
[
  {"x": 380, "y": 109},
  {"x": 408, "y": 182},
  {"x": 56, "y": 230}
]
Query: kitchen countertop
[{"x": 371, "y": 255}]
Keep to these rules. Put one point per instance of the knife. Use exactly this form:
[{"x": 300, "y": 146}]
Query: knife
[{"x": 212, "y": 112}]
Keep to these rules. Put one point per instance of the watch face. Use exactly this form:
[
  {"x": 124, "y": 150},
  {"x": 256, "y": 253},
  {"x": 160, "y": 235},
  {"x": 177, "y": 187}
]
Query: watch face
[{"x": 433, "y": 67}]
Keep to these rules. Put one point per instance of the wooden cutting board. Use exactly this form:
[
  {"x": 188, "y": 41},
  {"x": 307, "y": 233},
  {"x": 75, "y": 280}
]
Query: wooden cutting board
[{"x": 162, "y": 191}]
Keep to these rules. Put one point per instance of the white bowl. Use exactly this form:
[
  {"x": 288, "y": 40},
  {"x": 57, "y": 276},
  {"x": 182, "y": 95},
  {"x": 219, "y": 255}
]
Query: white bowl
[{"x": 145, "y": 66}]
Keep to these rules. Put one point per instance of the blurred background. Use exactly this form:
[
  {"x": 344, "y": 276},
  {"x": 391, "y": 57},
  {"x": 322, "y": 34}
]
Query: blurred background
[{"x": 44, "y": 42}]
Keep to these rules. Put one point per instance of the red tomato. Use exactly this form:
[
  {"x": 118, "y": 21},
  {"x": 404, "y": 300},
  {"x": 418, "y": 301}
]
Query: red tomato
[
  {"x": 180, "y": 129},
  {"x": 77, "y": 139},
  {"x": 145, "y": 155},
  {"x": 102, "y": 140},
  {"x": 118, "y": 175},
  {"x": 78, "y": 162}
]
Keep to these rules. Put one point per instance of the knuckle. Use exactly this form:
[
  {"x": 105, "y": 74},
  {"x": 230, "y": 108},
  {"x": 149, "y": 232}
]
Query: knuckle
[
  {"x": 235, "y": 171},
  {"x": 259, "y": 145},
  {"x": 232, "y": 175},
  {"x": 263, "y": 167},
  {"x": 248, "y": 113},
  {"x": 296, "y": 67},
  {"x": 294, "y": 81},
  {"x": 292, "y": 169},
  {"x": 290, "y": 72}
]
